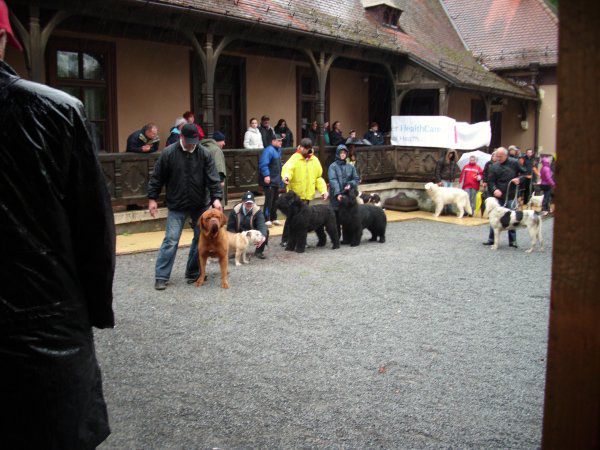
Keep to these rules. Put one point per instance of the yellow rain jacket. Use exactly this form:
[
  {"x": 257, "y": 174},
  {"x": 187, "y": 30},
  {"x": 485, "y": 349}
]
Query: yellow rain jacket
[{"x": 305, "y": 175}]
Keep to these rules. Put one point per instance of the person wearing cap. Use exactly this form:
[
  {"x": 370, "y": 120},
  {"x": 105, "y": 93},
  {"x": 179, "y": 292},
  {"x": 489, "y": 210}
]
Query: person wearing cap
[
  {"x": 266, "y": 131},
  {"x": 303, "y": 174},
  {"x": 248, "y": 216},
  {"x": 58, "y": 249},
  {"x": 176, "y": 131},
  {"x": 145, "y": 140},
  {"x": 190, "y": 175},
  {"x": 269, "y": 166},
  {"x": 513, "y": 151},
  {"x": 215, "y": 148},
  {"x": 373, "y": 135}
]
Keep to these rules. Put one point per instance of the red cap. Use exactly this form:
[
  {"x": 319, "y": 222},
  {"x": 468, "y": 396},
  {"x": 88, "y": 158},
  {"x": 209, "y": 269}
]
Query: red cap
[{"x": 5, "y": 25}]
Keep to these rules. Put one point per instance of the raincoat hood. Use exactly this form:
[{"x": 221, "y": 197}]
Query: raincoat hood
[
  {"x": 545, "y": 161},
  {"x": 337, "y": 153}
]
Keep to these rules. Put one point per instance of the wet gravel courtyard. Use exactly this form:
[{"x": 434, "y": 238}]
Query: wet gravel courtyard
[{"x": 429, "y": 340}]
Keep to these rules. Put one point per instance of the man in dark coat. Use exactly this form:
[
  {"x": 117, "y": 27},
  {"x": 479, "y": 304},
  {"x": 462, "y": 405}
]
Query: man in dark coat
[
  {"x": 504, "y": 178},
  {"x": 193, "y": 184},
  {"x": 373, "y": 135},
  {"x": 266, "y": 131},
  {"x": 248, "y": 216},
  {"x": 58, "y": 247},
  {"x": 144, "y": 141}
]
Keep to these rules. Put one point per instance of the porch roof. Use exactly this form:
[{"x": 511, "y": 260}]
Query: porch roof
[{"x": 426, "y": 34}]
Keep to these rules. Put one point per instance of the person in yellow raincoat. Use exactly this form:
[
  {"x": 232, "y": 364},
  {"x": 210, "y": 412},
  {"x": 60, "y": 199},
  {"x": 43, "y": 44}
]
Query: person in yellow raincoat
[{"x": 302, "y": 173}]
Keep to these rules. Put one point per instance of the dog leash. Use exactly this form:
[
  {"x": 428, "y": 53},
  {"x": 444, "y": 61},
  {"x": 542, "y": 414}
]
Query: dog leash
[{"x": 514, "y": 200}]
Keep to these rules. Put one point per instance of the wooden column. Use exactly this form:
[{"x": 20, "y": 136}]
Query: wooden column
[
  {"x": 35, "y": 38},
  {"x": 321, "y": 67},
  {"x": 487, "y": 101},
  {"x": 443, "y": 99},
  {"x": 209, "y": 56},
  {"x": 572, "y": 404}
]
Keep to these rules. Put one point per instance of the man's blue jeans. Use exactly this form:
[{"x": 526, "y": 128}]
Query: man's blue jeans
[
  {"x": 168, "y": 250},
  {"x": 512, "y": 234}
]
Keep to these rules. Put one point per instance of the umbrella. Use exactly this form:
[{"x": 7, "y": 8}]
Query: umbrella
[{"x": 482, "y": 158}]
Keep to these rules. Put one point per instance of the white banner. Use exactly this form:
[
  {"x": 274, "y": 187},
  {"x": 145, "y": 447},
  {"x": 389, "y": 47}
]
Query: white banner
[{"x": 439, "y": 131}]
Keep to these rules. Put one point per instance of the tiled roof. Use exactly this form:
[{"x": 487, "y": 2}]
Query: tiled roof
[
  {"x": 426, "y": 33},
  {"x": 507, "y": 34}
]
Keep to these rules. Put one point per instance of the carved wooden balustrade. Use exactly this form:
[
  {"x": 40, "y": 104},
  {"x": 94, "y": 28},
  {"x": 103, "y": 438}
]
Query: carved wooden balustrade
[{"x": 127, "y": 174}]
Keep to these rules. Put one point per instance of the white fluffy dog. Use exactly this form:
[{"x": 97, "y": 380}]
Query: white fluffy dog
[
  {"x": 441, "y": 196},
  {"x": 535, "y": 200},
  {"x": 506, "y": 219}
]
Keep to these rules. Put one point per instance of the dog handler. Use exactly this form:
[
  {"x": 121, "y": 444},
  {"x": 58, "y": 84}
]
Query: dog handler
[
  {"x": 58, "y": 262},
  {"x": 193, "y": 184},
  {"x": 342, "y": 178},
  {"x": 503, "y": 181},
  {"x": 248, "y": 216},
  {"x": 302, "y": 173}
]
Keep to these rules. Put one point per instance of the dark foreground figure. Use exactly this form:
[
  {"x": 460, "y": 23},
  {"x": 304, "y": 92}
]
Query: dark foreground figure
[
  {"x": 354, "y": 218},
  {"x": 57, "y": 246},
  {"x": 302, "y": 218}
]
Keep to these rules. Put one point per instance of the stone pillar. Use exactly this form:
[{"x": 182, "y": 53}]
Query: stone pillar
[{"x": 443, "y": 101}]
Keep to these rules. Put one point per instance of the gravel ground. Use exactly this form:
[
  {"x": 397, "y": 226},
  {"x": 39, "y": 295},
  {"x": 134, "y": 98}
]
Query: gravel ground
[{"x": 430, "y": 340}]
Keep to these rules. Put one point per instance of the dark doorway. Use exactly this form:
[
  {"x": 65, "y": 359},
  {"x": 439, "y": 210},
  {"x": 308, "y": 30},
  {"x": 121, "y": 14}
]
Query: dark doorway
[
  {"x": 478, "y": 114},
  {"x": 306, "y": 98},
  {"x": 380, "y": 102},
  {"x": 420, "y": 103},
  {"x": 230, "y": 106}
]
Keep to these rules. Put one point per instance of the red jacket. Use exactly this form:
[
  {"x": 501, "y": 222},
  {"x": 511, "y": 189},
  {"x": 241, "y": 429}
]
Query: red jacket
[
  {"x": 200, "y": 131},
  {"x": 468, "y": 176}
]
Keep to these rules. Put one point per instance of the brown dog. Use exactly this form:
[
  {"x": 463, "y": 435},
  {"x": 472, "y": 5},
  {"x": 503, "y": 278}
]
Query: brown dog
[{"x": 213, "y": 242}]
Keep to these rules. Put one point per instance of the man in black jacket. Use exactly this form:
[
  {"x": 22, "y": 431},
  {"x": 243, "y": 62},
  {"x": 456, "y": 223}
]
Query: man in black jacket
[
  {"x": 144, "y": 141},
  {"x": 248, "y": 216},
  {"x": 504, "y": 178},
  {"x": 266, "y": 131},
  {"x": 193, "y": 184},
  {"x": 58, "y": 259}
]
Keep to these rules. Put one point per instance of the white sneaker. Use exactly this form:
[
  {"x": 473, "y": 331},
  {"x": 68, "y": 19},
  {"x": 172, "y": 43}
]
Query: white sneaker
[
  {"x": 277, "y": 223},
  {"x": 268, "y": 223}
]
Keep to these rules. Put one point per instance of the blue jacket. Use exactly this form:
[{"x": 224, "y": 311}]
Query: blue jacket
[
  {"x": 340, "y": 174},
  {"x": 269, "y": 164}
]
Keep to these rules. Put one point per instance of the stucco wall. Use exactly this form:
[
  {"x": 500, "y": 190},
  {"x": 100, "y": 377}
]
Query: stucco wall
[
  {"x": 271, "y": 91},
  {"x": 512, "y": 133},
  {"x": 459, "y": 105},
  {"x": 153, "y": 85},
  {"x": 349, "y": 100},
  {"x": 547, "y": 137}
]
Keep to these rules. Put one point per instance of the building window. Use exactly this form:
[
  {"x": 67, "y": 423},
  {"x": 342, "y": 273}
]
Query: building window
[
  {"x": 306, "y": 99},
  {"x": 391, "y": 16},
  {"x": 85, "y": 69}
]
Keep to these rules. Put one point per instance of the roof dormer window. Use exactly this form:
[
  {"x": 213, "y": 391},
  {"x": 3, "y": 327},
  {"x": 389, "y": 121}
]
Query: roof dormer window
[{"x": 386, "y": 11}]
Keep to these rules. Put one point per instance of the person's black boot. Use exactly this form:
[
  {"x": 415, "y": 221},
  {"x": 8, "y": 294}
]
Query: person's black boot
[
  {"x": 487, "y": 243},
  {"x": 160, "y": 285},
  {"x": 513, "y": 245}
]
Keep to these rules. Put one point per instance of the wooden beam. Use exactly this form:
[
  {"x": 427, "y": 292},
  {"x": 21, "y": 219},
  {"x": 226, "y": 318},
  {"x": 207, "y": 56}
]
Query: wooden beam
[{"x": 572, "y": 404}]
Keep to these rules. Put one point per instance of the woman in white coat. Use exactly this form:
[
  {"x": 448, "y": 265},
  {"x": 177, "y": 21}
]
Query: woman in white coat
[{"x": 253, "y": 138}]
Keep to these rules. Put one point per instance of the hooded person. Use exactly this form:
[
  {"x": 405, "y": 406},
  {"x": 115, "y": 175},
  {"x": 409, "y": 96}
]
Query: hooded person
[
  {"x": 547, "y": 183},
  {"x": 58, "y": 261},
  {"x": 215, "y": 148},
  {"x": 342, "y": 176}
]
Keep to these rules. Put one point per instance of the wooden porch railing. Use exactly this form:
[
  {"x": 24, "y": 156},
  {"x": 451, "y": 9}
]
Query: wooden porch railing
[{"x": 127, "y": 174}]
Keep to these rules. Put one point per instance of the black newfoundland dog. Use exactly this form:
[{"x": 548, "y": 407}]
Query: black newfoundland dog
[
  {"x": 354, "y": 218},
  {"x": 302, "y": 218}
]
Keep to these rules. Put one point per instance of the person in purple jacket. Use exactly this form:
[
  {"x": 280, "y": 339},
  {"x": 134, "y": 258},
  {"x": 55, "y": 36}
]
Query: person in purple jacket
[{"x": 547, "y": 183}]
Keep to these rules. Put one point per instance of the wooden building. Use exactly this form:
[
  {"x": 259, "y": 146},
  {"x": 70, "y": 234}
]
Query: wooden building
[{"x": 136, "y": 61}]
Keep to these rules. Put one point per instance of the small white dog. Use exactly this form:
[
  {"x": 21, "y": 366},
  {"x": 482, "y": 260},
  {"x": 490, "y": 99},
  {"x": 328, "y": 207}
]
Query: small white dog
[
  {"x": 506, "y": 219},
  {"x": 441, "y": 196},
  {"x": 240, "y": 244}
]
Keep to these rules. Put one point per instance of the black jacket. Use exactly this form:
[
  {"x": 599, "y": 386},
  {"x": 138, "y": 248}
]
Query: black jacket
[
  {"x": 374, "y": 137},
  {"x": 336, "y": 138},
  {"x": 57, "y": 266},
  {"x": 267, "y": 135},
  {"x": 499, "y": 177},
  {"x": 486, "y": 170},
  {"x": 137, "y": 140},
  {"x": 447, "y": 169},
  {"x": 288, "y": 141},
  {"x": 191, "y": 179},
  {"x": 238, "y": 222}
]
